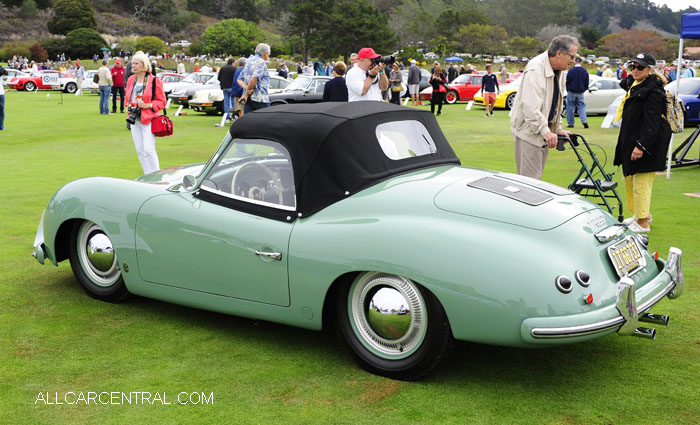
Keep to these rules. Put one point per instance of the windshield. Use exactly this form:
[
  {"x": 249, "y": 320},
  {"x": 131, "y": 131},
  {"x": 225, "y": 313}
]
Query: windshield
[
  {"x": 190, "y": 78},
  {"x": 462, "y": 79},
  {"x": 688, "y": 86},
  {"x": 301, "y": 83}
]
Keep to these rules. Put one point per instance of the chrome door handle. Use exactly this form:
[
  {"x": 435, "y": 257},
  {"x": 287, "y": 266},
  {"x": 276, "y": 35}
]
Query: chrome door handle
[{"x": 273, "y": 255}]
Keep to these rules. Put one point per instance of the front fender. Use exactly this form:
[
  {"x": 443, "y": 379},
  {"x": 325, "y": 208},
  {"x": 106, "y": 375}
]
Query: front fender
[{"x": 111, "y": 203}]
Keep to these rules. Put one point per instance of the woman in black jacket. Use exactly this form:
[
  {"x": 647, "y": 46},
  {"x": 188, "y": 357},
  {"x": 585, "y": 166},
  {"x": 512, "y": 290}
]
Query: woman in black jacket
[
  {"x": 644, "y": 136},
  {"x": 438, "y": 82}
]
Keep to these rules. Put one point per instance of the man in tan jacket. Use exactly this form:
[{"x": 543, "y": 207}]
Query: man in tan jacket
[
  {"x": 105, "y": 84},
  {"x": 536, "y": 116}
]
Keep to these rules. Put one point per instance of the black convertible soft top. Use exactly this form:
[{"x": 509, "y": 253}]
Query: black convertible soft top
[{"x": 334, "y": 148}]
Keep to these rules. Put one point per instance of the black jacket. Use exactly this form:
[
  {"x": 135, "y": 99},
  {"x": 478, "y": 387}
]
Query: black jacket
[
  {"x": 226, "y": 76},
  {"x": 335, "y": 90},
  {"x": 643, "y": 126}
]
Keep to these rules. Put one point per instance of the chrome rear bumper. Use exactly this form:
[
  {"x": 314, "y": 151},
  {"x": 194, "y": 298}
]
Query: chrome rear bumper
[{"x": 628, "y": 312}]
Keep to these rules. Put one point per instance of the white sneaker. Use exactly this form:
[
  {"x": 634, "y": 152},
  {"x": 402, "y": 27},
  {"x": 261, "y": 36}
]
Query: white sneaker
[
  {"x": 633, "y": 219},
  {"x": 636, "y": 228}
]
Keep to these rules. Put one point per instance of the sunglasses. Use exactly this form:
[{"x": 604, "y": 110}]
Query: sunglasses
[{"x": 633, "y": 66}]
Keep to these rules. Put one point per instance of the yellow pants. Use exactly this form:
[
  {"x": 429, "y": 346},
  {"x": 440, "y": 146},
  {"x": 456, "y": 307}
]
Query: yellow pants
[{"x": 639, "y": 193}]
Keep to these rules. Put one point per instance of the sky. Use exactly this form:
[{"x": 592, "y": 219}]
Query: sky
[{"x": 676, "y": 5}]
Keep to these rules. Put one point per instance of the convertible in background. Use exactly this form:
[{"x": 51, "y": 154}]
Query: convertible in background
[{"x": 359, "y": 216}]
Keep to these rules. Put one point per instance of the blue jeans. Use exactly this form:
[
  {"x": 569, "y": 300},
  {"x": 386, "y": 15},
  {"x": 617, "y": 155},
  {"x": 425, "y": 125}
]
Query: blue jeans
[
  {"x": 228, "y": 101},
  {"x": 575, "y": 101},
  {"x": 251, "y": 105},
  {"x": 2, "y": 111},
  {"x": 105, "y": 92}
]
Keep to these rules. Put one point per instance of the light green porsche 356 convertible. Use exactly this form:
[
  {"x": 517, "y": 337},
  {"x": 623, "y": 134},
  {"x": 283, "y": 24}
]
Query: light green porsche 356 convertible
[{"x": 359, "y": 216}]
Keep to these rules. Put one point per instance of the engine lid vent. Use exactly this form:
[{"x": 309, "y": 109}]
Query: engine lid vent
[{"x": 511, "y": 189}]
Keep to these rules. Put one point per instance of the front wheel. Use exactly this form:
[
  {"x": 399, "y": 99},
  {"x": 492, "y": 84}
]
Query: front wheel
[
  {"x": 30, "y": 86},
  {"x": 393, "y": 327},
  {"x": 510, "y": 101},
  {"x": 95, "y": 264},
  {"x": 452, "y": 97},
  {"x": 71, "y": 88}
]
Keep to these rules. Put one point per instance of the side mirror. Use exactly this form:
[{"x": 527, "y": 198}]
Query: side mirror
[{"x": 188, "y": 181}]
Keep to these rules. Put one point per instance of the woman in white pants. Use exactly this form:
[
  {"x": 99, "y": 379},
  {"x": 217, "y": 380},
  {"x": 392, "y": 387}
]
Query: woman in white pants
[{"x": 139, "y": 94}]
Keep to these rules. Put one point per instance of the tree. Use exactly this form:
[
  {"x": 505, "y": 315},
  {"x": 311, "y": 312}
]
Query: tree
[
  {"x": 70, "y": 15},
  {"x": 84, "y": 42},
  {"x": 150, "y": 44},
  {"x": 28, "y": 9},
  {"x": 449, "y": 20},
  {"x": 336, "y": 38},
  {"x": 308, "y": 18},
  {"x": 548, "y": 32},
  {"x": 527, "y": 17},
  {"x": 227, "y": 9},
  {"x": 526, "y": 46},
  {"x": 628, "y": 43},
  {"x": 232, "y": 37},
  {"x": 481, "y": 38},
  {"x": 589, "y": 35},
  {"x": 38, "y": 53},
  {"x": 55, "y": 46},
  {"x": 410, "y": 52}
]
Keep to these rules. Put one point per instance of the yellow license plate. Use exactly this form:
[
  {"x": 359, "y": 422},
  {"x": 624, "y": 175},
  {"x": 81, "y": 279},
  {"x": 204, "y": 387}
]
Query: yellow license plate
[
  {"x": 182, "y": 97},
  {"x": 626, "y": 257}
]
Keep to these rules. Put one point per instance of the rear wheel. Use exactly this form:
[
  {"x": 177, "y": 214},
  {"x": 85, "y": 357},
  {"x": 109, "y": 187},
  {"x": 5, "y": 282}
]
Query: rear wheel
[
  {"x": 510, "y": 101},
  {"x": 452, "y": 97},
  {"x": 95, "y": 264},
  {"x": 30, "y": 86},
  {"x": 392, "y": 326}
]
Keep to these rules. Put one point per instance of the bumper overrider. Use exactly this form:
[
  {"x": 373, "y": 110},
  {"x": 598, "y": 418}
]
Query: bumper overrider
[{"x": 622, "y": 317}]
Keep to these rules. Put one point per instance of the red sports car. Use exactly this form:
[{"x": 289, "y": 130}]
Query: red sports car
[
  {"x": 463, "y": 88},
  {"x": 46, "y": 80}
]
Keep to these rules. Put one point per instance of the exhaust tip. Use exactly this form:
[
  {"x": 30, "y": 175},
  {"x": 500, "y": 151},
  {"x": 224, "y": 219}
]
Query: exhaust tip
[{"x": 647, "y": 333}]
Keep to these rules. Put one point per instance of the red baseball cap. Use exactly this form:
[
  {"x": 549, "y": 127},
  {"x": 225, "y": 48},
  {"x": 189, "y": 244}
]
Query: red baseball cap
[{"x": 367, "y": 53}]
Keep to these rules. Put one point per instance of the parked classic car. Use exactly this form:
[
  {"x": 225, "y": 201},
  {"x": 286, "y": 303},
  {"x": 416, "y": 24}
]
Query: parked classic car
[
  {"x": 304, "y": 89},
  {"x": 12, "y": 73},
  {"x": 690, "y": 97},
  {"x": 42, "y": 81},
  {"x": 182, "y": 92},
  {"x": 359, "y": 216},
  {"x": 169, "y": 80},
  {"x": 463, "y": 88},
  {"x": 211, "y": 101}
]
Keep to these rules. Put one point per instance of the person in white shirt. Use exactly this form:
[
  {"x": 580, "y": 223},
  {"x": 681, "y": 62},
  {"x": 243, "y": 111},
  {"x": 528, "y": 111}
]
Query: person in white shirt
[{"x": 365, "y": 80}]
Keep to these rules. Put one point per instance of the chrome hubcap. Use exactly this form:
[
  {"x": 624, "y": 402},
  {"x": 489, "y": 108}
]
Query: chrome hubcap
[
  {"x": 97, "y": 255},
  {"x": 388, "y": 314}
]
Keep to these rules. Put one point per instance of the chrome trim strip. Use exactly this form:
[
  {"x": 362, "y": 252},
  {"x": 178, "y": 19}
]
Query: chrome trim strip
[
  {"x": 252, "y": 201},
  {"x": 591, "y": 328}
]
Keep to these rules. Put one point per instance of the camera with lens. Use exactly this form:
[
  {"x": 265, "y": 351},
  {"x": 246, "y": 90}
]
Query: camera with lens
[
  {"x": 387, "y": 60},
  {"x": 134, "y": 114}
]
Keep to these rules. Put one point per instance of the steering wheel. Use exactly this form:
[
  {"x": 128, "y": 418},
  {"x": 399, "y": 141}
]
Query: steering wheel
[{"x": 254, "y": 171}]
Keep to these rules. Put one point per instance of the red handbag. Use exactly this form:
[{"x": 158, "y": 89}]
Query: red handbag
[{"x": 161, "y": 125}]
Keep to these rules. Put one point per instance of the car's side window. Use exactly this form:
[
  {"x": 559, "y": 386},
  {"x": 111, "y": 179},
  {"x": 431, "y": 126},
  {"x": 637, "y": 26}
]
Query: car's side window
[
  {"x": 404, "y": 139},
  {"x": 319, "y": 86},
  {"x": 256, "y": 171}
]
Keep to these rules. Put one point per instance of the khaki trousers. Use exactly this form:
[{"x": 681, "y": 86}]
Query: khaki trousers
[{"x": 529, "y": 158}]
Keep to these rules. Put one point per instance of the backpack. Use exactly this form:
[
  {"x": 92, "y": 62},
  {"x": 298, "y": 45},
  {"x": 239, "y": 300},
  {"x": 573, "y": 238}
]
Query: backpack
[{"x": 674, "y": 112}]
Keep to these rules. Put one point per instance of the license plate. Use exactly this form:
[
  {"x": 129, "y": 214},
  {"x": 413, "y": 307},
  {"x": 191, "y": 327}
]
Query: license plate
[{"x": 626, "y": 257}]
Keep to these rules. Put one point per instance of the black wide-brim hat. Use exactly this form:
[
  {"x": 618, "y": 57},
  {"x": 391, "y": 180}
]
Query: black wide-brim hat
[{"x": 644, "y": 59}]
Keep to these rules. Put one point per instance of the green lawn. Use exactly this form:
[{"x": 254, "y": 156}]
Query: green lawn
[{"x": 53, "y": 338}]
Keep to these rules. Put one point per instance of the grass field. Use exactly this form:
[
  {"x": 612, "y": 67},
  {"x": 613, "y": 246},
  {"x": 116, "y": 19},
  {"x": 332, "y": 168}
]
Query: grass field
[{"x": 55, "y": 339}]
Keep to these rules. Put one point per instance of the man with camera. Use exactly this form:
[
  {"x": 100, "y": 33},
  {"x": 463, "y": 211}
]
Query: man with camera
[{"x": 367, "y": 79}]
